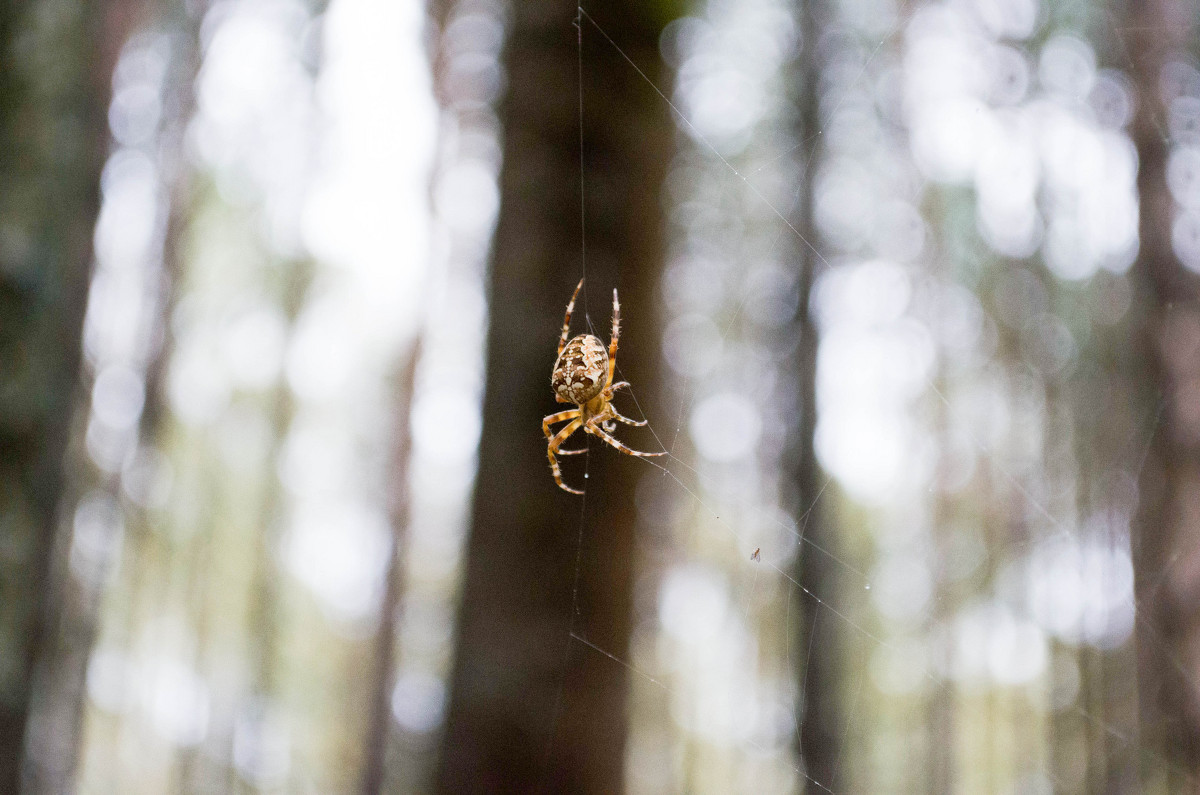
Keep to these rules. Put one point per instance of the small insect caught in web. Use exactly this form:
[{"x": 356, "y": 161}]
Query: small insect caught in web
[
  {"x": 755, "y": 555},
  {"x": 583, "y": 375}
]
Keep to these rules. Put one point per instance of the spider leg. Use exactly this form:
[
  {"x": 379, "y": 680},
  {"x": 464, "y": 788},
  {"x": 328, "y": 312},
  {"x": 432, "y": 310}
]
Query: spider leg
[
  {"x": 559, "y": 417},
  {"x": 569, "y": 414},
  {"x": 618, "y": 415},
  {"x": 562, "y": 341},
  {"x": 616, "y": 334},
  {"x": 595, "y": 429},
  {"x": 622, "y": 418},
  {"x": 552, "y": 448}
]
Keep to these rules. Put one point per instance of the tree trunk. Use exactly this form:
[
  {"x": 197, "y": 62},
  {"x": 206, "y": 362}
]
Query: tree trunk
[
  {"x": 1167, "y": 526},
  {"x": 532, "y": 708},
  {"x": 820, "y": 684},
  {"x": 55, "y": 80}
]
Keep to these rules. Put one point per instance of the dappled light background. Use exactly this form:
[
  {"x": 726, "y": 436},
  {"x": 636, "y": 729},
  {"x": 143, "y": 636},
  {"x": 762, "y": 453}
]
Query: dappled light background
[{"x": 274, "y": 459}]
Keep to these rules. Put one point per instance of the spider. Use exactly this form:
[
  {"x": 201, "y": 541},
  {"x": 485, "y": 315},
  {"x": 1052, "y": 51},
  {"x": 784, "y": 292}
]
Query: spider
[{"x": 583, "y": 375}]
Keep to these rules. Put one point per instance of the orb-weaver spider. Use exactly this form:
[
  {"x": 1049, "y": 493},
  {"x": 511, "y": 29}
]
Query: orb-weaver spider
[{"x": 583, "y": 375}]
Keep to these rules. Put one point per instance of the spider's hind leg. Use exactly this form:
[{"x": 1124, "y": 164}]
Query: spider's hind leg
[{"x": 571, "y": 452}]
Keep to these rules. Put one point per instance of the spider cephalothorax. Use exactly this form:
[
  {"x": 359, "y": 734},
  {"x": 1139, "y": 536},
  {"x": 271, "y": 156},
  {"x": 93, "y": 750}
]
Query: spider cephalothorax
[{"x": 583, "y": 375}]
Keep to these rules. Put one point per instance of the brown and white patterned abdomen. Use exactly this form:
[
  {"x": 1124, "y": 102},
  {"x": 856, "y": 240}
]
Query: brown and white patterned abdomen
[{"x": 581, "y": 370}]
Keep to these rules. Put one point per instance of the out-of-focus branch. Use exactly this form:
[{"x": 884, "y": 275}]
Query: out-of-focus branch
[{"x": 374, "y": 767}]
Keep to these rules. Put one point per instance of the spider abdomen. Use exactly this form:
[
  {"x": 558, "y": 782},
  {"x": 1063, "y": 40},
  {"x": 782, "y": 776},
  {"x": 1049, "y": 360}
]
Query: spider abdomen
[{"x": 581, "y": 370}]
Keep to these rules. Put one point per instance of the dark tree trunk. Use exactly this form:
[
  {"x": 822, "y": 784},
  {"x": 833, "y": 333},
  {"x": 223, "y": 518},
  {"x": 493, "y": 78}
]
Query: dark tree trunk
[
  {"x": 67, "y": 639},
  {"x": 55, "y": 80},
  {"x": 532, "y": 709},
  {"x": 819, "y": 709},
  {"x": 1167, "y": 526}
]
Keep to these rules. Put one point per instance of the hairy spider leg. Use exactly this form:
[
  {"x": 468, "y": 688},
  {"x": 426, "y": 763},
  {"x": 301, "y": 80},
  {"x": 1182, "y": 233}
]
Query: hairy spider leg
[
  {"x": 569, "y": 414},
  {"x": 555, "y": 443},
  {"x": 562, "y": 341},
  {"x": 622, "y": 418},
  {"x": 572, "y": 452},
  {"x": 616, "y": 334},
  {"x": 612, "y": 390},
  {"x": 593, "y": 427}
]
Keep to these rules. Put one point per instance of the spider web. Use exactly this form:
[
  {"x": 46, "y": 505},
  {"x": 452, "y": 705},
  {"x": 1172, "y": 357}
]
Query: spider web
[
  {"x": 747, "y": 557},
  {"x": 975, "y": 218},
  {"x": 693, "y": 492}
]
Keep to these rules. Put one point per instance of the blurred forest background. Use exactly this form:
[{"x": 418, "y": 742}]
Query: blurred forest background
[{"x": 911, "y": 295}]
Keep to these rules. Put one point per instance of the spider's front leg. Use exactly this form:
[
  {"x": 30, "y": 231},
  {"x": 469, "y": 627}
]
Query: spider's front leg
[
  {"x": 552, "y": 448},
  {"x": 569, "y": 414}
]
